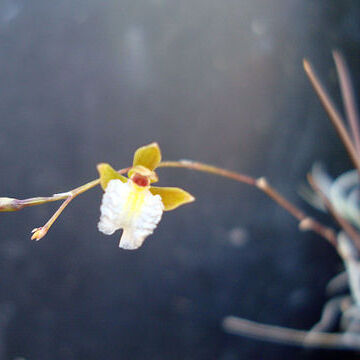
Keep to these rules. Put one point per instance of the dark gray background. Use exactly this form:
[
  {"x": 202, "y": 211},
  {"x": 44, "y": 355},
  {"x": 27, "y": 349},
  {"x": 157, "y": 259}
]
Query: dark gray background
[{"x": 87, "y": 81}]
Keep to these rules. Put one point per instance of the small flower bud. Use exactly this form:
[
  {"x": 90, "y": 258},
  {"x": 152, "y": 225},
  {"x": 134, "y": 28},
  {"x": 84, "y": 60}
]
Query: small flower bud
[{"x": 39, "y": 233}]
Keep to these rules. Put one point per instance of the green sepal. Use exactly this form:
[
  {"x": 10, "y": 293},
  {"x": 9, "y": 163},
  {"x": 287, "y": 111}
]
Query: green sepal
[
  {"x": 107, "y": 173},
  {"x": 148, "y": 156},
  {"x": 172, "y": 197}
]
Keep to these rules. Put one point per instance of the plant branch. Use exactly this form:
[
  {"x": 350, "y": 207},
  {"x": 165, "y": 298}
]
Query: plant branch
[
  {"x": 240, "y": 326},
  {"x": 305, "y": 222},
  {"x": 333, "y": 113},
  {"x": 347, "y": 93},
  {"x": 347, "y": 227},
  {"x": 39, "y": 233}
]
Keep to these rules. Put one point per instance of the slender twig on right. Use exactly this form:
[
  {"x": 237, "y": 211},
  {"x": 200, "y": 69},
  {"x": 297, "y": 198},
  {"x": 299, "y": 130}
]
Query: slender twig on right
[
  {"x": 348, "y": 228},
  {"x": 305, "y": 222},
  {"x": 240, "y": 326},
  {"x": 40, "y": 232},
  {"x": 347, "y": 93},
  {"x": 333, "y": 113}
]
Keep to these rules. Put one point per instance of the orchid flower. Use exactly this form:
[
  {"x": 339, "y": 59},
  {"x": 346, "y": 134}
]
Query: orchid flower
[{"x": 132, "y": 203}]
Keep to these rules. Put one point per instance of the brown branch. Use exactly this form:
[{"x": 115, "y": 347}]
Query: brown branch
[
  {"x": 40, "y": 232},
  {"x": 305, "y": 222},
  {"x": 193, "y": 165},
  {"x": 240, "y": 326},
  {"x": 333, "y": 113},
  {"x": 347, "y": 93},
  {"x": 347, "y": 227}
]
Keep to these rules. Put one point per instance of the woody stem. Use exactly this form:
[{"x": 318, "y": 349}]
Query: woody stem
[
  {"x": 333, "y": 113},
  {"x": 321, "y": 340}
]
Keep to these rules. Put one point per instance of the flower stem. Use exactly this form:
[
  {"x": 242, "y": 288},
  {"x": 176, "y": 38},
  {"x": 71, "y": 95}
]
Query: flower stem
[
  {"x": 39, "y": 233},
  {"x": 188, "y": 164},
  {"x": 305, "y": 222}
]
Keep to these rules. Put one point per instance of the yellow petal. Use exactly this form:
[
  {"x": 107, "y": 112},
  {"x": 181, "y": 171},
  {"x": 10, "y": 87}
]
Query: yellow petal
[
  {"x": 148, "y": 156},
  {"x": 107, "y": 173},
  {"x": 172, "y": 197}
]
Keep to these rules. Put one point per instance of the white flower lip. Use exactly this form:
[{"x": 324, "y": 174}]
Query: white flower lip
[{"x": 131, "y": 208}]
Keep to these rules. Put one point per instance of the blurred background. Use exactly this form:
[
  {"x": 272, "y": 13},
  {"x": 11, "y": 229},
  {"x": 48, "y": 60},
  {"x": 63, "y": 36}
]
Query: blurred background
[{"x": 88, "y": 81}]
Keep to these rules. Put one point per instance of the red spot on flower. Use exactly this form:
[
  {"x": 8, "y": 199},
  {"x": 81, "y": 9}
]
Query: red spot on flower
[{"x": 140, "y": 180}]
